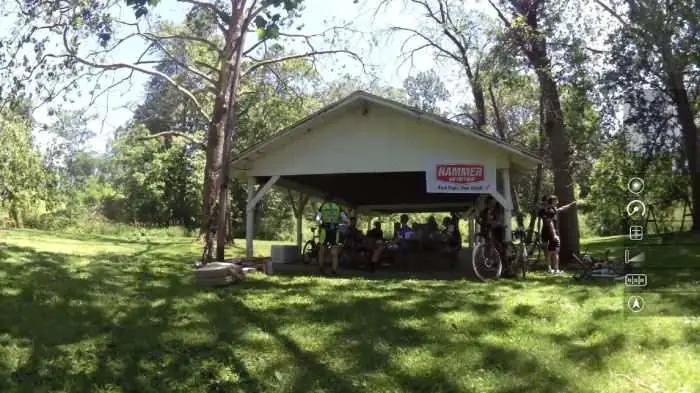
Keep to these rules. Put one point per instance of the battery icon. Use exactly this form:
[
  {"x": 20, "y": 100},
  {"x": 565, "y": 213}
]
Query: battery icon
[{"x": 635, "y": 280}]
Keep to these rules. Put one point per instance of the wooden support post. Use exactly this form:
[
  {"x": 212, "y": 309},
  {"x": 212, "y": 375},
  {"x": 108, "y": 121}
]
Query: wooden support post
[
  {"x": 298, "y": 206},
  {"x": 508, "y": 208},
  {"x": 253, "y": 198}
]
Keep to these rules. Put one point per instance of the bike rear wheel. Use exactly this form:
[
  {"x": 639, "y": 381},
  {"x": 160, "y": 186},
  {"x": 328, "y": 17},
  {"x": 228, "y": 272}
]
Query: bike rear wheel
[
  {"x": 487, "y": 262},
  {"x": 522, "y": 263},
  {"x": 309, "y": 253}
]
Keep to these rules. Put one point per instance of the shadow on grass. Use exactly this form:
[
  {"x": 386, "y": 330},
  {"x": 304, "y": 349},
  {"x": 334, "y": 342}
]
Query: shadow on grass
[
  {"x": 135, "y": 323},
  {"x": 126, "y": 239}
]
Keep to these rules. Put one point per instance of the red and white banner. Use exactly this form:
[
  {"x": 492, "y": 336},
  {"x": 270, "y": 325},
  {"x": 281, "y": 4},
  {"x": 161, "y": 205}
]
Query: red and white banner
[{"x": 460, "y": 178}]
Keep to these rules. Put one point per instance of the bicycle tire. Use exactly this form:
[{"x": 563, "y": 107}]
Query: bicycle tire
[
  {"x": 309, "y": 252},
  {"x": 522, "y": 257},
  {"x": 496, "y": 266}
]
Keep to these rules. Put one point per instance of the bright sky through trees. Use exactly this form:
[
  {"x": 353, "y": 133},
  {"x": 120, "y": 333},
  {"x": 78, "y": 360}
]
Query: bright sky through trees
[{"x": 383, "y": 55}]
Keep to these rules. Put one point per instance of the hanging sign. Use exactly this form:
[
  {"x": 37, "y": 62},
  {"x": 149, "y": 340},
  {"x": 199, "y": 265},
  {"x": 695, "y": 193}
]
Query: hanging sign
[{"x": 459, "y": 178}]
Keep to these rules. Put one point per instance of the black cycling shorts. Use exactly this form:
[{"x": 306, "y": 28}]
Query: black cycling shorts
[
  {"x": 553, "y": 244},
  {"x": 329, "y": 235}
]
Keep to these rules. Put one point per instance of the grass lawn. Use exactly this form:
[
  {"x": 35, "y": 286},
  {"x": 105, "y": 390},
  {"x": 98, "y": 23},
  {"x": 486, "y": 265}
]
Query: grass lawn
[{"x": 99, "y": 314}]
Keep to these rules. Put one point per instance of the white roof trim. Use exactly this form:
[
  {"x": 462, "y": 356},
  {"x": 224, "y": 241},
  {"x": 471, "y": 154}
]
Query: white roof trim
[{"x": 305, "y": 124}]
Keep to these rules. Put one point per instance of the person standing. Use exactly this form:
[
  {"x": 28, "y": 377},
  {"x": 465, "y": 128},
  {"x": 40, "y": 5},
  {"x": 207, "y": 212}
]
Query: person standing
[
  {"x": 330, "y": 216},
  {"x": 544, "y": 234},
  {"x": 551, "y": 226}
]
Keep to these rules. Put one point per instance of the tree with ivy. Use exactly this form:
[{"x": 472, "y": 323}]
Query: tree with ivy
[{"x": 59, "y": 33}]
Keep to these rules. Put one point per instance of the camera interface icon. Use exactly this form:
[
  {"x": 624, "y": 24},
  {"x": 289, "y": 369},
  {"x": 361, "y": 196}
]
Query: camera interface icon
[
  {"x": 636, "y": 207},
  {"x": 635, "y": 185},
  {"x": 636, "y": 232}
]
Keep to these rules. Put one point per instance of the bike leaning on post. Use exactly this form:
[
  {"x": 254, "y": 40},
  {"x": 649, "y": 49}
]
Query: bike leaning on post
[
  {"x": 486, "y": 260},
  {"x": 491, "y": 259},
  {"x": 517, "y": 253},
  {"x": 309, "y": 252}
]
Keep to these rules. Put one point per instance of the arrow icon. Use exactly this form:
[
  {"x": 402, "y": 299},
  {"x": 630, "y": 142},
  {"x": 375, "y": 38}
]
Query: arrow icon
[{"x": 635, "y": 303}]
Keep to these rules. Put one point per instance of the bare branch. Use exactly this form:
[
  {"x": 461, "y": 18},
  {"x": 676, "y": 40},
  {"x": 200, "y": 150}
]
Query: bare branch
[
  {"x": 500, "y": 14},
  {"x": 179, "y": 134},
  {"x": 174, "y": 59},
  {"x": 72, "y": 54},
  {"x": 156, "y": 37},
  {"x": 592, "y": 50},
  {"x": 429, "y": 40},
  {"x": 312, "y": 54},
  {"x": 641, "y": 33}
]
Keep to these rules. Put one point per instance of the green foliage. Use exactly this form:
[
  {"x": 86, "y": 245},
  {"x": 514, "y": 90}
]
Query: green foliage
[
  {"x": 21, "y": 172},
  {"x": 605, "y": 206},
  {"x": 157, "y": 183},
  {"x": 425, "y": 90}
]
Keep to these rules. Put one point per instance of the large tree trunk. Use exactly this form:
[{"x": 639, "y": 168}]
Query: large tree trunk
[
  {"x": 559, "y": 150},
  {"x": 212, "y": 169},
  {"x": 534, "y": 46},
  {"x": 479, "y": 102},
  {"x": 691, "y": 141},
  {"x": 234, "y": 46},
  {"x": 537, "y": 189}
]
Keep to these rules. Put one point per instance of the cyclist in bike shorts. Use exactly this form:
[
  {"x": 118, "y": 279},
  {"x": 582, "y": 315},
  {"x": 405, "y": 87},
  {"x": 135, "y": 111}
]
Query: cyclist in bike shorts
[
  {"x": 490, "y": 223},
  {"x": 544, "y": 233},
  {"x": 551, "y": 227},
  {"x": 330, "y": 216}
]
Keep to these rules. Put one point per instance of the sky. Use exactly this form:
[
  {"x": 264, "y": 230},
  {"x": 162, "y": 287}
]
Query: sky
[{"x": 386, "y": 57}]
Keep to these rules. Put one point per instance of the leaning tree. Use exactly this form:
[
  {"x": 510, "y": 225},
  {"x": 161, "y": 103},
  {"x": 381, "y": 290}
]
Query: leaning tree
[{"x": 51, "y": 51}]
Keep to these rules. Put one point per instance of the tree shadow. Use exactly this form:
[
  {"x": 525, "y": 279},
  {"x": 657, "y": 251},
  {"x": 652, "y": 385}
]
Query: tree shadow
[{"x": 142, "y": 326}]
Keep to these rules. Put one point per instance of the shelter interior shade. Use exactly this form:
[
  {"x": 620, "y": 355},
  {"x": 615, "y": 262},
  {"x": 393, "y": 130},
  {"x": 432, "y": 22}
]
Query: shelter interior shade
[{"x": 397, "y": 188}]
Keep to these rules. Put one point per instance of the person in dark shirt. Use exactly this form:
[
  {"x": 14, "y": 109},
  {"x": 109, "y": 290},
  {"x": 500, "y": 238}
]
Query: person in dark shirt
[
  {"x": 486, "y": 219},
  {"x": 375, "y": 239},
  {"x": 376, "y": 233},
  {"x": 541, "y": 210},
  {"x": 550, "y": 226}
]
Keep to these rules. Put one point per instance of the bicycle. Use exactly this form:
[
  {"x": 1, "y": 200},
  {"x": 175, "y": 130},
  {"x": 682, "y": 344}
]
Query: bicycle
[
  {"x": 488, "y": 256},
  {"x": 517, "y": 254},
  {"x": 310, "y": 250},
  {"x": 535, "y": 245}
]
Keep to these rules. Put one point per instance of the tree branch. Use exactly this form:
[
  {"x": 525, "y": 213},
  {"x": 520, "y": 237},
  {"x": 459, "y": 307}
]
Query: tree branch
[
  {"x": 72, "y": 54},
  {"x": 179, "y": 134},
  {"x": 430, "y": 42},
  {"x": 267, "y": 62},
  {"x": 218, "y": 12},
  {"x": 186, "y": 37},
  {"x": 184, "y": 66}
]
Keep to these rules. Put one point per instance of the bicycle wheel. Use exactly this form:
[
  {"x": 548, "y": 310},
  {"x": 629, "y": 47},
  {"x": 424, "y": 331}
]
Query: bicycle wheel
[
  {"x": 522, "y": 260},
  {"x": 487, "y": 265},
  {"x": 310, "y": 252},
  {"x": 535, "y": 247}
]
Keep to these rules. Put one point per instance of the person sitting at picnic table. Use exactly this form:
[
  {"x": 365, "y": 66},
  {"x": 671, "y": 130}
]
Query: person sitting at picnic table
[
  {"x": 432, "y": 225},
  {"x": 405, "y": 231},
  {"x": 375, "y": 239},
  {"x": 359, "y": 244},
  {"x": 451, "y": 234},
  {"x": 352, "y": 235}
]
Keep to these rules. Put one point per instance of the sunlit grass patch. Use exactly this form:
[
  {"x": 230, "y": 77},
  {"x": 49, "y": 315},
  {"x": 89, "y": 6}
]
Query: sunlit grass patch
[{"x": 118, "y": 315}]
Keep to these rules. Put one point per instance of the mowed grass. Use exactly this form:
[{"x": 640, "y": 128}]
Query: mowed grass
[{"x": 99, "y": 314}]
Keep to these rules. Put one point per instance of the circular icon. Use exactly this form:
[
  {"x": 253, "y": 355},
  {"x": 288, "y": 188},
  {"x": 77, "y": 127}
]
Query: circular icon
[
  {"x": 635, "y": 185},
  {"x": 636, "y": 207},
  {"x": 636, "y": 303}
]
